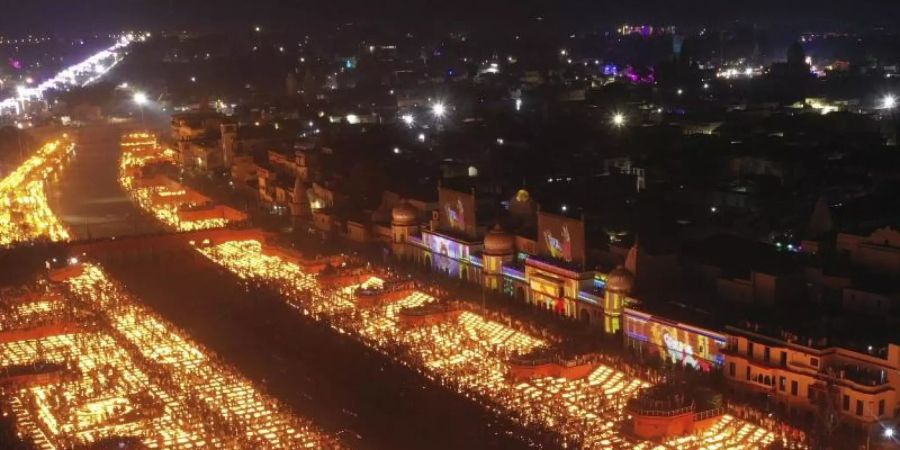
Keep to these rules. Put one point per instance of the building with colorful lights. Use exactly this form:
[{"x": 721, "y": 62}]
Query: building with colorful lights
[
  {"x": 804, "y": 375},
  {"x": 674, "y": 342},
  {"x": 545, "y": 266}
]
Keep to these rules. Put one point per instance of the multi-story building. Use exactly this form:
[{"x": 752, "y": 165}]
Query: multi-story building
[
  {"x": 878, "y": 252},
  {"x": 803, "y": 376},
  {"x": 547, "y": 269}
]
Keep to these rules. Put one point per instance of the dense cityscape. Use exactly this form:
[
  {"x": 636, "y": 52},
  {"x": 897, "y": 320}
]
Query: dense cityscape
[{"x": 607, "y": 226}]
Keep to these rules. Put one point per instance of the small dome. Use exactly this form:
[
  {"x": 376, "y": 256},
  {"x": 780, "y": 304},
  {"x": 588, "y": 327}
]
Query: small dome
[
  {"x": 404, "y": 214},
  {"x": 521, "y": 204},
  {"x": 498, "y": 242},
  {"x": 620, "y": 280},
  {"x": 522, "y": 196}
]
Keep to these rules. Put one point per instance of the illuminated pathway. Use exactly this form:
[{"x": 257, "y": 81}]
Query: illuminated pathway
[
  {"x": 81, "y": 74},
  {"x": 134, "y": 375},
  {"x": 469, "y": 354},
  {"x": 25, "y": 214}
]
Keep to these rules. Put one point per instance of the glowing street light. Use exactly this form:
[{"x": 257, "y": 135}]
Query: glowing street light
[
  {"x": 618, "y": 120},
  {"x": 140, "y": 99},
  {"x": 889, "y": 102},
  {"x": 408, "y": 119},
  {"x": 438, "y": 109}
]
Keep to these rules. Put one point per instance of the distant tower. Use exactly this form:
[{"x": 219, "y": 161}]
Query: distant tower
[
  {"x": 796, "y": 57},
  {"x": 229, "y": 142},
  {"x": 404, "y": 223},
  {"x": 618, "y": 285},
  {"x": 299, "y": 202},
  {"x": 820, "y": 222},
  {"x": 499, "y": 250},
  {"x": 631, "y": 259}
]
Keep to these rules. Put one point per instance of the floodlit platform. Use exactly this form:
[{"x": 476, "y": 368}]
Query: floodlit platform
[
  {"x": 470, "y": 354},
  {"x": 130, "y": 375}
]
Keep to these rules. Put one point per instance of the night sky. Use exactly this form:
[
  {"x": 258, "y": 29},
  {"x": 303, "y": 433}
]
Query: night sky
[{"x": 89, "y": 15}]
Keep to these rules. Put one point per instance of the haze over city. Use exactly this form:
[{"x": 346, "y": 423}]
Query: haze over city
[{"x": 456, "y": 225}]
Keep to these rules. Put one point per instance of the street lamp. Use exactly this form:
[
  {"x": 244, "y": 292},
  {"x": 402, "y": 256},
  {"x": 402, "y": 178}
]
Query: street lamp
[
  {"x": 408, "y": 119},
  {"x": 438, "y": 109},
  {"x": 618, "y": 120},
  {"x": 888, "y": 433},
  {"x": 140, "y": 99},
  {"x": 889, "y": 102}
]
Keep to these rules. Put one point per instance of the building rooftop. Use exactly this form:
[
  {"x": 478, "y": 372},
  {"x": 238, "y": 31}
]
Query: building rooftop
[{"x": 738, "y": 257}]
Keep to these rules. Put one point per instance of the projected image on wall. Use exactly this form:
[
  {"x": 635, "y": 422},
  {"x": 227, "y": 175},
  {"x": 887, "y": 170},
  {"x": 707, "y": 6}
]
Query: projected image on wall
[{"x": 677, "y": 345}]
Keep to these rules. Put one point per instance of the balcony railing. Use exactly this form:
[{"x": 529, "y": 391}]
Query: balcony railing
[
  {"x": 708, "y": 414},
  {"x": 660, "y": 412}
]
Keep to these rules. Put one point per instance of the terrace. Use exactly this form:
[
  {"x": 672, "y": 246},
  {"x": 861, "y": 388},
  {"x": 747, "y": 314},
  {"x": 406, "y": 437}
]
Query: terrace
[
  {"x": 26, "y": 215},
  {"x": 136, "y": 377},
  {"x": 470, "y": 353}
]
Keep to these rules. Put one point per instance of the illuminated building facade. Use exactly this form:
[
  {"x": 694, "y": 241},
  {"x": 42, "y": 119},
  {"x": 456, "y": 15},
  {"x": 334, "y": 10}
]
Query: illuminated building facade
[
  {"x": 499, "y": 251},
  {"x": 404, "y": 226},
  {"x": 804, "y": 375},
  {"x": 619, "y": 283},
  {"x": 556, "y": 288},
  {"x": 450, "y": 245},
  {"x": 548, "y": 272},
  {"x": 673, "y": 342},
  {"x": 453, "y": 256}
]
